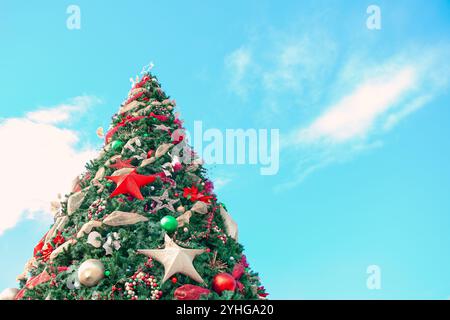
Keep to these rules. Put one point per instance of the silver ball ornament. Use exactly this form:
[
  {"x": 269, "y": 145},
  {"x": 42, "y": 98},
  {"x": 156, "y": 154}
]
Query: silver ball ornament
[{"x": 91, "y": 272}]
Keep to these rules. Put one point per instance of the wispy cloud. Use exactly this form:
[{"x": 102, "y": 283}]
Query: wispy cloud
[
  {"x": 383, "y": 95},
  {"x": 333, "y": 103},
  {"x": 238, "y": 63},
  {"x": 354, "y": 115},
  {"x": 279, "y": 68},
  {"x": 63, "y": 112},
  {"x": 220, "y": 182},
  {"x": 40, "y": 160},
  {"x": 394, "y": 118}
]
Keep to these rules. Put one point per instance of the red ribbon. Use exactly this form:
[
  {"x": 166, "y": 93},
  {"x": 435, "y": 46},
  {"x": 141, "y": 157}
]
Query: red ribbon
[
  {"x": 136, "y": 96},
  {"x": 190, "y": 292},
  {"x": 238, "y": 272},
  {"x": 130, "y": 119},
  {"x": 142, "y": 82},
  {"x": 33, "y": 282}
]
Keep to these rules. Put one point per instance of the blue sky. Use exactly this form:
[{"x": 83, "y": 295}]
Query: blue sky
[{"x": 364, "y": 118}]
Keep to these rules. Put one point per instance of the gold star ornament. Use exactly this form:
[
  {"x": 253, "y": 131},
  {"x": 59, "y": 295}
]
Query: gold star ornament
[{"x": 175, "y": 259}]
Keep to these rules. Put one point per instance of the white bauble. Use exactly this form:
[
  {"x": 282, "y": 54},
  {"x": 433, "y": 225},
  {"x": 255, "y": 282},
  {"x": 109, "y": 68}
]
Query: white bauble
[
  {"x": 9, "y": 294},
  {"x": 91, "y": 272}
]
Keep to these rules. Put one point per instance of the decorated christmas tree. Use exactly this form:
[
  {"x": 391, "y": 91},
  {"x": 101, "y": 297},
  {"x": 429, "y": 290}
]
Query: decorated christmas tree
[{"x": 143, "y": 222}]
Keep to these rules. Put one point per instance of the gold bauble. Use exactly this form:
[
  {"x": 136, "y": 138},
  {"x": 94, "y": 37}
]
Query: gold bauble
[
  {"x": 9, "y": 294},
  {"x": 181, "y": 209},
  {"x": 91, "y": 272}
]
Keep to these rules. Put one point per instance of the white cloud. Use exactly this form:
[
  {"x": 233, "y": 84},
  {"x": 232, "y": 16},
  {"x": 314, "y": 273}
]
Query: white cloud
[
  {"x": 220, "y": 182},
  {"x": 39, "y": 160},
  {"x": 377, "y": 97},
  {"x": 297, "y": 62},
  {"x": 354, "y": 115},
  {"x": 334, "y": 99},
  {"x": 62, "y": 113},
  {"x": 394, "y": 118}
]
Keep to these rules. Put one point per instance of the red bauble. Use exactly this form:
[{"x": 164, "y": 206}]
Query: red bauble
[
  {"x": 190, "y": 292},
  {"x": 224, "y": 281}
]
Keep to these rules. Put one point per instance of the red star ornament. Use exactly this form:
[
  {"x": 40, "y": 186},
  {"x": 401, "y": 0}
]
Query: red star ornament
[
  {"x": 120, "y": 164},
  {"x": 130, "y": 183}
]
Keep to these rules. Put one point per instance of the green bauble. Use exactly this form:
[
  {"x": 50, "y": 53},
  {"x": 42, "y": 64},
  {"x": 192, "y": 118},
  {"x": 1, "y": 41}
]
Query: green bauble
[
  {"x": 117, "y": 145},
  {"x": 169, "y": 223}
]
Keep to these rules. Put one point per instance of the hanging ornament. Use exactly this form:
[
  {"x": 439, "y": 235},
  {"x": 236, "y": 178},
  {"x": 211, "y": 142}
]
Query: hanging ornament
[
  {"x": 130, "y": 184},
  {"x": 181, "y": 209},
  {"x": 175, "y": 259},
  {"x": 94, "y": 239},
  {"x": 224, "y": 282},
  {"x": 190, "y": 292},
  {"x": 169, "y": 224},
  {"x": 9, "y": 294},
  {"x": 112, "y": 242},
  {"x": 117, "y": 145},
  {"x": 163, "y": 202},
  {"x": 91, "y": 272}
]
